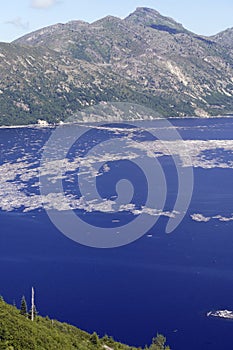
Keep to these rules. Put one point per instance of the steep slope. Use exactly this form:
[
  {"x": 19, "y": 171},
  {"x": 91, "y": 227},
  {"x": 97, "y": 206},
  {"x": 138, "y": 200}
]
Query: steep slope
[
  {"x": 151, "y": 18},
  {"x": 224, "y": 38},
  {"x": 19, "y": 333},
  {"x": 37, "y": 82},
  {"x": 145, "y": 58}
]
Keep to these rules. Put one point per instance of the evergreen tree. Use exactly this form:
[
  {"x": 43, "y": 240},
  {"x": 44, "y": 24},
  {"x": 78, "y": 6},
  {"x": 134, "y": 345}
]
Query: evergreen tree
[
  {"x": 23, "y": 307},
  {"x": 159, "y": 343},
  {"x": 94, "y": 338}
]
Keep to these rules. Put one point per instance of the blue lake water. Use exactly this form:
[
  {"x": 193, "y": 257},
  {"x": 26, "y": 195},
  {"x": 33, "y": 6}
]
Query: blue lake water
[{"x": 164, "y": 283}]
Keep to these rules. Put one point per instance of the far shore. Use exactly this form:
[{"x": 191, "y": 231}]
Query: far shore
[{"x": 39, "y": 126}]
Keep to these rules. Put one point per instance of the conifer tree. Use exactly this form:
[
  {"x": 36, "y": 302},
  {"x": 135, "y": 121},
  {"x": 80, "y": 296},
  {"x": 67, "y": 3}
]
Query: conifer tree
[
  {"x": 23, "y": 307},
  {"x": 158, "y": 343},
  {"x": 94, "y": 338}
]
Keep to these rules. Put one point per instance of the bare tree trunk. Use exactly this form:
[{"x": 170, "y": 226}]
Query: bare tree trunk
[{"x": 33, "y": 305}]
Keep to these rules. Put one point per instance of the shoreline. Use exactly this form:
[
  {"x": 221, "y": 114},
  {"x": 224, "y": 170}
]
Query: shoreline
[{"x": 38, "y": 126}]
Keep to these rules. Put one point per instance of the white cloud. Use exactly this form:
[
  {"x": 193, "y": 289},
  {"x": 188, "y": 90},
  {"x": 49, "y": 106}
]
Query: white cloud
[
  {"x": 43, "y": 4},
  {"x": 19, "y": 23}
]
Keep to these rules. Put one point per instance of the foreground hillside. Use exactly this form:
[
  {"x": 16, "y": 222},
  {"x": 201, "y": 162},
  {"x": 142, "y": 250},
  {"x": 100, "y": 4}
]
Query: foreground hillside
[
  {"x": 19, "y": 333},
  {"x": 145, "y": 58}
]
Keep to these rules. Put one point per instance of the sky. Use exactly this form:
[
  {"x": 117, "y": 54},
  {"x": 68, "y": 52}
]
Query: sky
[{"x": 18, "y": 17}]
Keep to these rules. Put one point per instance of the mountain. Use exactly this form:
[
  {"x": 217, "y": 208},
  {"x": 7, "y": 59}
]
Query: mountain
[
  {"x": 146, "y": 58},
  {"x": 19, "y": 332},
  {"x": 153, "y": 19},
  {"x": 224, "y": 38}
]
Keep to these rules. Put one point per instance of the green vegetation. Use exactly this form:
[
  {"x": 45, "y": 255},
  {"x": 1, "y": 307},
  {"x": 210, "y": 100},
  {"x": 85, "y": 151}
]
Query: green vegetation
[
  {"x": 23, "y": 307},
  {"x": 159, "y": 343},
  {"x": 18, "y": 332}
]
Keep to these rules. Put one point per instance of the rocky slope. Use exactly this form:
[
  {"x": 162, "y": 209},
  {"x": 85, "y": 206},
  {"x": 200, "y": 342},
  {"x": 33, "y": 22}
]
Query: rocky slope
[
  {"x": 224, "y": 38},
  {"x": 145, "y": 58}
]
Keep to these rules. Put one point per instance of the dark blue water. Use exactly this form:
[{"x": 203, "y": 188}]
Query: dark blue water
[{"x": 166, "y": 283}]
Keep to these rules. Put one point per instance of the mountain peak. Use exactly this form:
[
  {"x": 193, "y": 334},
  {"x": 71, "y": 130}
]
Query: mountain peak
[
  {"x": 152, "y": 18},
  {"x": 106, "y": 20},
  {"x": 147, "y": 10},
  {"x": 224, "y": 38},
  {"x": 143, "y": 13}
]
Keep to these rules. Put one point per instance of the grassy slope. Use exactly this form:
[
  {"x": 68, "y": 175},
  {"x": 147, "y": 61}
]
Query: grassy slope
[{"x": 19, "y": 333}]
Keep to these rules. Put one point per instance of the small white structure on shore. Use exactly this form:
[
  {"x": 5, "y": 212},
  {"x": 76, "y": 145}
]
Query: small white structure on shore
[{"x": 41, "y": 122}]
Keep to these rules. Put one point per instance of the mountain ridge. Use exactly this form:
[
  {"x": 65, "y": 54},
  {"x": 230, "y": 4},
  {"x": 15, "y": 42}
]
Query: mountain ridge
[{"x": 145, "y": 58}]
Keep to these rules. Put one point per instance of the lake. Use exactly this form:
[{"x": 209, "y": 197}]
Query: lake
[{"x": 159, "y": 282}]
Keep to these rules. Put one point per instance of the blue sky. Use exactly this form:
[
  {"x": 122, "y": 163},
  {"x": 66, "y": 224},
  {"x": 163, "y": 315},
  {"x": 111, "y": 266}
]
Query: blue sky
[{"x": 18, "y": 17}]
